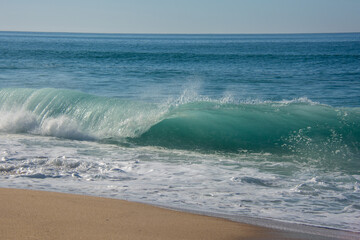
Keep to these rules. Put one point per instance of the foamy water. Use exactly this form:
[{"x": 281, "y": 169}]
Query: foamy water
[{"x": 257, "y": 185}]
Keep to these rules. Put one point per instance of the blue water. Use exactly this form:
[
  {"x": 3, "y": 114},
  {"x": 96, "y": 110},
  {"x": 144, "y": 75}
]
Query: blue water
[
  {"x": 323, "y": 67},
  {"x": 255, "y": 125}
]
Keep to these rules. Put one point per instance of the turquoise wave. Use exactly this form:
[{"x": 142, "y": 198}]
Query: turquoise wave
[
  {"x": 292, "y": 127},
  {"x": 254, "y": 127},
  {"x": 59, "y": 112}
]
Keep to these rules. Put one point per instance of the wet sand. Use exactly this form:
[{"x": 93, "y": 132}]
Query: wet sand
[{"x": 28, "y": 214}]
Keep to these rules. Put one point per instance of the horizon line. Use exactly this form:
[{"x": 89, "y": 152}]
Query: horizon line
[{"x": 148, "y": 33}]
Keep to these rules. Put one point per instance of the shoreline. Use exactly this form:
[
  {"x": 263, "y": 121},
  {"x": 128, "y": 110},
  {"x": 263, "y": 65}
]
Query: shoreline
[
  {"x": 33, "y": 214},
  {"x": 292, "y": 227}
]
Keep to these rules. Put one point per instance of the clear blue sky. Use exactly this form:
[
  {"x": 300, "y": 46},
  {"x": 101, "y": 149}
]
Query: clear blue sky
[{"x": 181, "y": 16}]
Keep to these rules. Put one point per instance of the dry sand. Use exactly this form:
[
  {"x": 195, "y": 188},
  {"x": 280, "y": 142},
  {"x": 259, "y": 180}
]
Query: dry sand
[{"x": 27, "y": 214}]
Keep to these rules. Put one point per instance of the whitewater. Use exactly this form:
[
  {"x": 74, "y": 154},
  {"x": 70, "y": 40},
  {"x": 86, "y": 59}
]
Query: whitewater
[{"x": 264, "y": 126}]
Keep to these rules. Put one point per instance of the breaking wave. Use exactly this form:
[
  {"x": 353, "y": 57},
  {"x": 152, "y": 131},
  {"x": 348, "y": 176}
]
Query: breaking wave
[{"x": 289, "y": 127}]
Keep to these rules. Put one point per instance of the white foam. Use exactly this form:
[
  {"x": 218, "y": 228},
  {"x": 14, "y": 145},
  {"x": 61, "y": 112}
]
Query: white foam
[
  {"x": 22, "y": 121},
  {"x": 17, "y": 121},
  {"x": 234, "y": 185},
  {"x": 62, "y": 127}
]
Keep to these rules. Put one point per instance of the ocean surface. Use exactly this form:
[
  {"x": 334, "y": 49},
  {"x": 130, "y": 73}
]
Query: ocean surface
[{"x": 263, "y": 126}]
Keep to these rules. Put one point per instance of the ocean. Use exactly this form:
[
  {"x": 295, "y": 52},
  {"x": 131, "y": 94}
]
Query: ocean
[{"x": 265, "y": 126}]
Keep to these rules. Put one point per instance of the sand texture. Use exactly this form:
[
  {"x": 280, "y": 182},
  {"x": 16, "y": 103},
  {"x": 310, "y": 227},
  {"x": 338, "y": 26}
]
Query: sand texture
[{"x": 27, "y": 214}]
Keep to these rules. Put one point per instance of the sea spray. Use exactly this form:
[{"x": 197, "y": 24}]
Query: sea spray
[{"x": 17, "y": 121}]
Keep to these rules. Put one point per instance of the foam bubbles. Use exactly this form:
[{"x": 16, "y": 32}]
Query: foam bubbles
[
  {"x": 62, "y": 127},
  {"x": 22, "y": 121},
  {"x": 259, "y": 185},
  {"x": 18, "y": 121}
]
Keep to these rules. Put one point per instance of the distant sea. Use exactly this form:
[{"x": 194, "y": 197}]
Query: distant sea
[{"x": 265, "y": 126}]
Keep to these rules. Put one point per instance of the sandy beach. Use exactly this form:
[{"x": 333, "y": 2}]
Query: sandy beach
[{"x": 28, "y": 214}]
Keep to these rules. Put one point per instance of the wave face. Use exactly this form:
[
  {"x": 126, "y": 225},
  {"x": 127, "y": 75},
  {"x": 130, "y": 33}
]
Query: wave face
[
  {"x": 298, "y": 127},
  {"x": 74, "y": 115}
]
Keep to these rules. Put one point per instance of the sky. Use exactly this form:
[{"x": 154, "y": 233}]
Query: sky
[{"x": 181, "y": 16}]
